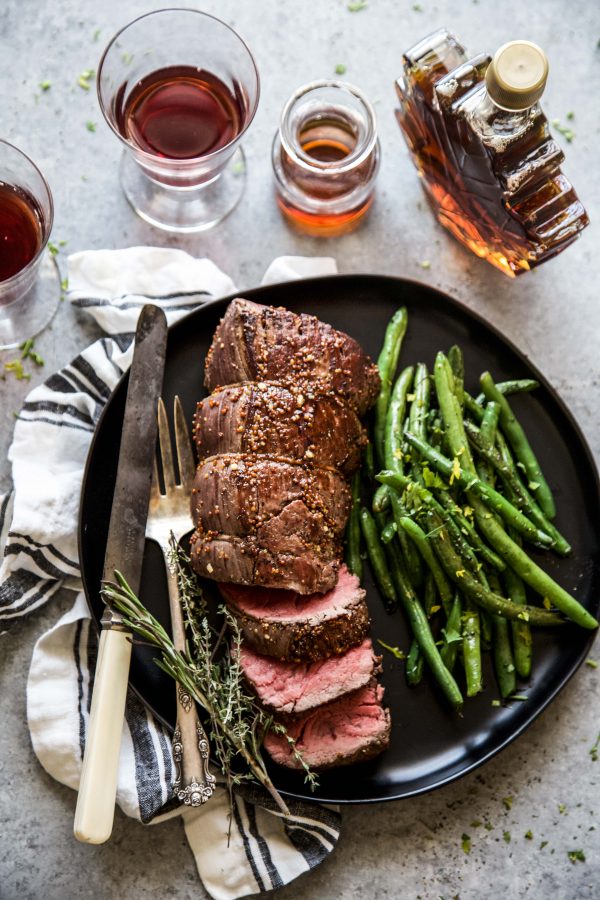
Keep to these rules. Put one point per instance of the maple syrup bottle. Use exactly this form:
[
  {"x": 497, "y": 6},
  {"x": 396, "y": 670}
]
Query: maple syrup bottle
[{"x": 484, "y": 151}]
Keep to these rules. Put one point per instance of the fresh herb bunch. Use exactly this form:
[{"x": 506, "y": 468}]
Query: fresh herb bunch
[{"x": 209, "y": 670}]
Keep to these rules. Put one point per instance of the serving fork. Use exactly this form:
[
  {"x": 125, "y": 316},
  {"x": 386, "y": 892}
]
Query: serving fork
[{"x": 169, "y": 514}]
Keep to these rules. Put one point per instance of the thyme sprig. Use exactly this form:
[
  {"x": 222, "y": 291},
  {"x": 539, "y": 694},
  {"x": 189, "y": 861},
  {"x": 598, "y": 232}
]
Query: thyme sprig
[{"x": 238, "y": 725}]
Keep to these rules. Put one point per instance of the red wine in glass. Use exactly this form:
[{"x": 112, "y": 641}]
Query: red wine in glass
[
  {"x": 21, "y": 230},
  {"x": 180, "y": 112},
  {"x": 179, "y": 88}
]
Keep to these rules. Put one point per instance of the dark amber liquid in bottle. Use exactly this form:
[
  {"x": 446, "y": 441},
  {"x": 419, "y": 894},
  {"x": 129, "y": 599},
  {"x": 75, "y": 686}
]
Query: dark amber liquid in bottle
[
  {"x": 180, "y": 112},
  {"x": 21, "y": 230},
  {"x": 502, "y": 195}
]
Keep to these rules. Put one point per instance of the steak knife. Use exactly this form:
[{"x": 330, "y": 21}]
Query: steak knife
[{"x": 95, "y": 810}]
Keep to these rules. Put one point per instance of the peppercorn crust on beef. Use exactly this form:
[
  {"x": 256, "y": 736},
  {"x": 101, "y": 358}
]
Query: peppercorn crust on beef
[
  {"x": 265, "y": 343},
  {"x": 265, "y": 417},
  {"x": 277, "y": 439},
  {"x": 267, "y": 521}
]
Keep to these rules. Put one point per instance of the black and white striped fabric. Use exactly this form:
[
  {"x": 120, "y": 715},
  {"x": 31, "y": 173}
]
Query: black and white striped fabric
[{"x": 38, "y": 522}]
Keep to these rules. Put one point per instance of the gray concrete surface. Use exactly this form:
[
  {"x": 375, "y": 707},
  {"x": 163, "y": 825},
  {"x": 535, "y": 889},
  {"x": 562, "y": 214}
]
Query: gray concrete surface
[{"x": 410, "y": 849}]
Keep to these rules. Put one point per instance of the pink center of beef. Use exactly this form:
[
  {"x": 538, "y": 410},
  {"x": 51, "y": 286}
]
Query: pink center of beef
[
  {"x": 293, "y": 687},
  {"x": 338, "y": 730},
  {"x": 272, "y": 604}
]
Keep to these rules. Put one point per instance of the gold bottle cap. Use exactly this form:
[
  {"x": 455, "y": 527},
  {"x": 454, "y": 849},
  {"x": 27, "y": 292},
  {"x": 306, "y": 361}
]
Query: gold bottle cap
[{"x": 516, "y": 77}]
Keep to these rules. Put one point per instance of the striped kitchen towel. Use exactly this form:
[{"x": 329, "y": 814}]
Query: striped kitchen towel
[{"x": 38, "y": 524}]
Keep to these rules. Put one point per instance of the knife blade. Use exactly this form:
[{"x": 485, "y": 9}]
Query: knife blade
[{"x": 124, "y": 551}]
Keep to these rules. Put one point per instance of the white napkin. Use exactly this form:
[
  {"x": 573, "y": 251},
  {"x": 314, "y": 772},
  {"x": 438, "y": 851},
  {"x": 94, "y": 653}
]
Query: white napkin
[{"x": 38, "y": 524}]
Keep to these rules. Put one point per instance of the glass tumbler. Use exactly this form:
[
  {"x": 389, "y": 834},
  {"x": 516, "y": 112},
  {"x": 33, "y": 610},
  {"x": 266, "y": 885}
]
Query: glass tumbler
[
  {"x": 29, "y": 278},
  {"x": 179, "y": 88},
  {"x": 325, "y": 158}
]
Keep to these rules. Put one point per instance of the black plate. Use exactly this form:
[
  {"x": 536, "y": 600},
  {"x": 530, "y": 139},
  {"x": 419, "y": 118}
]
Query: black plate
[{"x": 430, "y": 745}]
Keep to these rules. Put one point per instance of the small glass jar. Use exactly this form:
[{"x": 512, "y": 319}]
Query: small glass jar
[{"x": 325, "y": 158}]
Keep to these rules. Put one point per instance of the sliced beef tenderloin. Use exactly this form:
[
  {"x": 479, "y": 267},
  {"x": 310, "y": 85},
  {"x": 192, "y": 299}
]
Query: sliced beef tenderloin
[
  {"x": 352, "y": 729},
  {"x": 289, "y": 688},
  {"x": 286, "y": 507},
  {"x": 288, "y": 625},
  {"x": 242, "y": 561},
  {"x": 263, "y": 343},
  {"x": 269, "y": 418}
]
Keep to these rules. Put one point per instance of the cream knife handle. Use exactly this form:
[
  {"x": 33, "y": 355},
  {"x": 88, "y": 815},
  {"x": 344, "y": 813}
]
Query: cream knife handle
[{"x": 98, "y": 786}]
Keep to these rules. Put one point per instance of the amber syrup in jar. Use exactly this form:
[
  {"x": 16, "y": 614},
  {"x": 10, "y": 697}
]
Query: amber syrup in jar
[
  {"x": 325, "y": 159},
  {"x": 491, "y": 171}
]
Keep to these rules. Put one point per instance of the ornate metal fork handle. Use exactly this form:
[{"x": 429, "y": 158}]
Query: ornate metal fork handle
[{"x": 193, "y": 784}]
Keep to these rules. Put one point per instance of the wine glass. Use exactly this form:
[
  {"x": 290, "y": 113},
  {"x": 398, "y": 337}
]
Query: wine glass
[
  {"x": 179, "y": 88},
  {"x": 29, "y": 277}
]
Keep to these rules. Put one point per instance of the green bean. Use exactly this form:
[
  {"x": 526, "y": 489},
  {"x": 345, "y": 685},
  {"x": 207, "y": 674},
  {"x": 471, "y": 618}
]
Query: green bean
[
  {"x": 486, "y": 627},
  {"x": 382, "y": 502},
  {"x": 377, "y": 558},
  {"x": 445, "y": 506},
  {"x": 467, "y": 528},
  {"x": 381, "y": 499},
  {"x": 516, "y": 386},
  {"x": 503, "y": 658},
  {"x": 431, "y": 593},
  {"x": 472, "y": 649},
  {"x": 414, "y": 664},
  {"x": 489, "y": 425},
  {"x": 473, "y": 407},
  {"x": 454, "y": 568},
  {"x": 523, "y": 499},
  {"x": 387, "y": 364},
  {"x": 496, "y": 536},
  {"x": 532, "y": 574},
  {"x": 435, "y": 432},
  {"x": 415, "y": 660},
  {"x": 474, "y": 485},
  {"x": 457, "y": 364},
  {"x": 453, "y": 562},
  {"x": 521, "y": 631},
  {"x": 368, "y": 462},
  {"x": 389, "y": 532},
  {"x": 409, "y": 552},
  {"x": 504, "y": 664},
  {"x": 521, "y": 446},
  {"x": 451, "y": 411},
  {"x": 452, "y": 415},
  {"x": 419, "y": 410},
  {"x": 393, "y": 456},
  {"x": 488, "y": 429},
  {"x": 452, "y": 634},
  {"x": 353, "y": 532},
  {"x": 394, "y": 423},
  {"x": 419, "y": 537},
  {"x": 422, "y": 630},
  {"x": 401, "y": 483}
]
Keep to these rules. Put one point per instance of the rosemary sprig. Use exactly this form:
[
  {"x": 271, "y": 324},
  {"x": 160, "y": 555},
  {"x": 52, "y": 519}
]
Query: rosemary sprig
[{"x": 238, "y": 724}]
